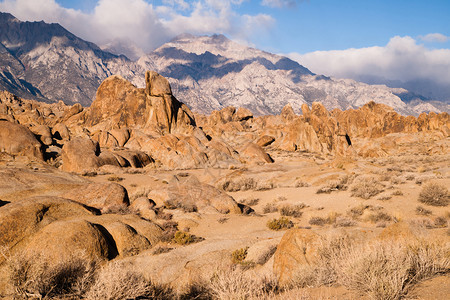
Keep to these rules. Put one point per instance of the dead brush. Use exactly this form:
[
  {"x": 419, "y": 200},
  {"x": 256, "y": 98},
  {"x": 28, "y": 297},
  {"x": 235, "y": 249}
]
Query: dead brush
[
  {"x": 434, "y": 194},
  {"x": 366, "y": 187},
  {"x": 341, "y": 184},
  {"x": 119, "y": 280},
  {"x": 233, "y": 283},
  {"x": 380, "y": 270},
  {"x": 37, "y": 276},
  {"x": 289, "y": 210}
]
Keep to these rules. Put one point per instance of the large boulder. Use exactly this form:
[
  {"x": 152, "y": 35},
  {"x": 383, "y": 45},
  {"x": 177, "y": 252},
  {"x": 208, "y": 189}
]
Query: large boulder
[
  {"x": 80, "y": 155},
  {"x": 297, "y": 250},
  {"x": 119, "y": 104},
  {"x": 103, "y": 196},
  {"x": 189, "y": 194},
  {"x": 16, "y": 139}
]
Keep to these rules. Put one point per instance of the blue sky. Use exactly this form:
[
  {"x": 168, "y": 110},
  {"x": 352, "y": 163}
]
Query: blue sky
[
  {"x": 384, "y": 40},
  {"x": 306, "y": 26}
]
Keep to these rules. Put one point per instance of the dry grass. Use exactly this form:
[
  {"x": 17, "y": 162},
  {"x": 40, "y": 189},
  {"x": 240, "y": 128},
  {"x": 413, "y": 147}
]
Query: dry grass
[
  {"x": 185, "y": 238},
  {"x": 250, "y": 201},
  {"x": 319, "y": 221},
  {"x": 37, "y": 276},
  {"x": 434, "y": 194},
  {"x": 161, "y": 249},
  {"x": 366, "y": 187},
  {"x": 379, "y": 216},
  {"x": 239, "y": 255},
  {"x": 289, "y": 210},
  {"x": 117, "y": 280},
  {"x": 270, "y": 208},
  {"x": 341, "y": 184},
  {"x": 280, "y": 224},
  {"x": 380, "y": 270},
  {"x": 234, "y": 284},
  {"x": 115, "y": 178},
  {"x": 421, "y": 211}
]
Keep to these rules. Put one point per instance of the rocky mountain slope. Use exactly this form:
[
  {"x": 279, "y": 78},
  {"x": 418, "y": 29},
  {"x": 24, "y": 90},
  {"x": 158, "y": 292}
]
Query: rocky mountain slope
[{"x": 46, "y": 62}]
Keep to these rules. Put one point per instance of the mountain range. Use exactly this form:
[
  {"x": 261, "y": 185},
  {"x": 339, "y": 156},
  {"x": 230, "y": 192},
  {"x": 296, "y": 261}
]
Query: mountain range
[{"x": 48, "y": 63}]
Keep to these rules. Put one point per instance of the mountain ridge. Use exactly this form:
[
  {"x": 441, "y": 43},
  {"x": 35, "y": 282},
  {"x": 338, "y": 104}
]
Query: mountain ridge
[{"x": 48, "y": 63}]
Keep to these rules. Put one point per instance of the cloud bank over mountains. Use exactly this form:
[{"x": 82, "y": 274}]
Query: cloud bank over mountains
[
  {"x": 147, "y": 25},
  {"x": 402, "y": 59},
  {"x": 404, "y": 62}
]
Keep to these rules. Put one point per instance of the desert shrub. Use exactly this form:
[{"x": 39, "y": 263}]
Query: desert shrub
[
  {"x": 380, "y": 270},
  {"x": 366, "y": 187},
  {"x": 36, "y": 275},
  {"x": 115, "y": 178},
  {"x": 161, "y": 214},
  {"x": 241, "y": 183},
  {"x": 183, "y": 205},
  {"x": 344, "y": 222},
  {"x": 184, "y": 238},
  {"x": 280, "y": 223},
  {"x": 422, "y": 222},
  {"x": 292, "y": 210},
  {"x": 266, "y": 255},
  {"x": 118, "y": 280},
  {"x": 319, "y": 221},
  {"x": 397, "y": 193},
  {"x": 440, "y": 222},
  {"x": 420, "y": 210},
  {"x": 250, "y": 201},
  {"x": 434, "y": 194},
  {"x": 239, "y": 255},
  {"x": 222, "y": 220},
  {"x": 384, "y": 198},
  {"x": 234, "y": 284},
  {"x": 161, "y": 249},
  {"x": 379, "y": 217},
  {"x": 357, "y": 211},
  {"x": 336, "y": 185},
  {"x": 270, "y": 208},
  {"x": 121, "y": 210},
  {"x": 300, "y": 183},
  {"x": 170, "y": 228}
]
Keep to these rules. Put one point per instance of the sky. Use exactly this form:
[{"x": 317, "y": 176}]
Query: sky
[{"x": 392, "y": 39}]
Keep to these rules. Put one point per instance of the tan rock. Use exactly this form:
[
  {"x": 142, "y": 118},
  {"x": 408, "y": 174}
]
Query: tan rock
[
  {"x": 297, "y": 249},
  {"x": 102, "y": 196},
  {"x": 255, "y": 153},
  {"x": 16, "y": 139}
]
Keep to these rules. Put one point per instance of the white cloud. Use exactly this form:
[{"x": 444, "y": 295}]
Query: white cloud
[
  {"x": 434, "y": 37},
  {"x": 148, "y": 26},
  {"x": 401, "y": 59}
]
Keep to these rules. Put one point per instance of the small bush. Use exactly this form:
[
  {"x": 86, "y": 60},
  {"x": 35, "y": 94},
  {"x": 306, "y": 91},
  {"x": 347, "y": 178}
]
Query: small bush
[
  {"x": 118, "y": 280},
  {"x": 344, "y": 222},
  {"x": 440, "y": 222},
  {"x": 270, "y": 208},
  {"x": 434, "y": 194},
  {"x": 222, "y": 220},
  {"x": 40, "y": 276},
  {"x": 319, "y": 221},
  {"x": 379, "y": 217},
  {"x": 184, "y": 238},
  {"x": 279, "y": 224},
  {"x": 421, "y": 211},
  {"x": 292, "y": 210},
  {"x": 357, "y": 211},
  {"x": 397, "y": 193},
  {"x": 161, "y": 249},
  {"x": 336, "y": 185},
  {"x": 366, "y": 187},
  {"x": 115, "y": 178},
  {"x": 238, "y": 256},
  {"x": 250, "y": 201}
]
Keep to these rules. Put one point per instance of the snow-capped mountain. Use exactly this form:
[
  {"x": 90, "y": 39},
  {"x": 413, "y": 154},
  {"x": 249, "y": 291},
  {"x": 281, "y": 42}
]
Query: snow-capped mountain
[{"x": 46, "y": 62}]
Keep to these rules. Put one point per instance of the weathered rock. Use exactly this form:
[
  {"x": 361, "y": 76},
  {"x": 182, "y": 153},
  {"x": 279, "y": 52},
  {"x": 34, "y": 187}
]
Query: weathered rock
[
  {"x": 80, "y": 155},
  {"x": 103, "y": 196},
  {"x": 43, "y": 133},
  {"x": 191, "y": 195},
  {"x": 297, "y": 249},
  {"x": 255, "y": 153},
  {"x": 20, "y": 220},
  {"x": 63, "y": 238},
  {"x": 16, "y": 139},
  {"x": 153, "y": 108}
]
